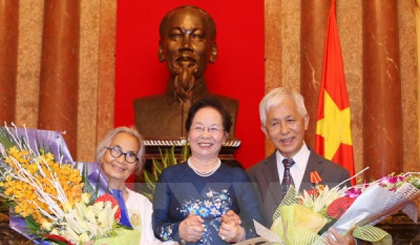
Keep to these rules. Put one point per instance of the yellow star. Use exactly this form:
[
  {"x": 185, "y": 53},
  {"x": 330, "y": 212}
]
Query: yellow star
[{"x": 334, "y": 127}]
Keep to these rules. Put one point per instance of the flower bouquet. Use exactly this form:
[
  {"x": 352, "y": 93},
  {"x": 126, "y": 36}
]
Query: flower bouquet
[
  {"x": 305, "y": 218},
  {"x": 52, "y": 199}
]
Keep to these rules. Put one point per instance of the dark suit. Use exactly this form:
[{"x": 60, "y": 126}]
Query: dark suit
[{"x": 265, "y": 176}]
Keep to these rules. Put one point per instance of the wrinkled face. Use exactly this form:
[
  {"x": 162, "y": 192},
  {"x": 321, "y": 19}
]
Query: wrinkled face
[
  {"x": 206, "y": 135},
  {"x": 286, "y": 127},
  {"x": 187, "y": 44},
  {"x": 117, "y": 168}
]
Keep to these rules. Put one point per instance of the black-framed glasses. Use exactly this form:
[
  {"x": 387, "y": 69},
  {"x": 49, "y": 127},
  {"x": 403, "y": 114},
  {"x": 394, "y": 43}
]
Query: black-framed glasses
[{"x": 116, "y": 152}]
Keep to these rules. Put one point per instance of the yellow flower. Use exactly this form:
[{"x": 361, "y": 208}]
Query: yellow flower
[
  {"x": 13, "y": 188},
  {"x": 40, "y": 219},
  {"x": 49, "y": 156},
  {"x": 75, "y": 177},
  {"x": 24, "y": 209},
  {"x": 23, "y": 191},
  {"x": 24, "y": 195},
  {"x": 29, "y": 194},
  {"x": 8, "y": 181},
  {"x": 13, "y": 150},
  {"x": 309, "y": 219},
  {"x": 20, "y": 156}
]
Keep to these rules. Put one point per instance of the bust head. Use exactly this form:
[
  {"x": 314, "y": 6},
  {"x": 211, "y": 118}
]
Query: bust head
[{"x": 187, "y": 44}]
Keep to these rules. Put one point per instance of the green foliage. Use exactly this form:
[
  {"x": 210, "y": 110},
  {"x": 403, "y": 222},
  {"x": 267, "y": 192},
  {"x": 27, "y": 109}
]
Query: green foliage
[
  {"x": 167, "y": 159},
  {"x": 32, "y": 224},
  {"x": 87, "y": 186},
  {"x": 5, "y": 139}
]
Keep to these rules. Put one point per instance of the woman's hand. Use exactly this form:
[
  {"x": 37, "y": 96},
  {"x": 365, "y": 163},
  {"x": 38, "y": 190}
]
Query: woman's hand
[
  {"x": 231, "y": 230},
  {"x": 191, "y": 229},
  {"x": 339, "y": 239}
]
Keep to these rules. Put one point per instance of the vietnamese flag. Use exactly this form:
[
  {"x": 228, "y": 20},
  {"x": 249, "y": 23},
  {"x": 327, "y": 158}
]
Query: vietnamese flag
[{"x": 333, "y": 127}]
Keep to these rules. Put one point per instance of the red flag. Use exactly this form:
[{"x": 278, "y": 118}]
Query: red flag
[{"x": 333, "y": 128}]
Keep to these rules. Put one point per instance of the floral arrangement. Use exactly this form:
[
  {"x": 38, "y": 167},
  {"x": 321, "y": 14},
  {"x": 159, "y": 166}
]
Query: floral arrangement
[
  {"x": 56, "y": 201},
  {"x": 23, "y": 179},
  {"x": 305, "y": 218}
]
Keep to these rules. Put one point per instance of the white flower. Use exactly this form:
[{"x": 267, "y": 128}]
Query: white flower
[
  {"x": 207, "y": 203},
  {"x": 84, "y": 237},
  {"x": 86, "y": 197},
  {"x": 71, "y": 234},
  {"x": 99, "y": 205},
  {"x": 47, "y": 225}
]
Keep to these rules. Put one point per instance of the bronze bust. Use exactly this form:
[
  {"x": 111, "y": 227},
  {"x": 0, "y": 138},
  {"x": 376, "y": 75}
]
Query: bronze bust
[{"x": 187, "y": 44}]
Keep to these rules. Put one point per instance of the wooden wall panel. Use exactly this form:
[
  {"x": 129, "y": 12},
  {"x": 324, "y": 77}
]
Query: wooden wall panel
[
  {"x": 409, "y": 84},
  {"x": 96, "y": 70},
  {"x": 31, "y": 14},
  {"x": 88, "y": 84}
]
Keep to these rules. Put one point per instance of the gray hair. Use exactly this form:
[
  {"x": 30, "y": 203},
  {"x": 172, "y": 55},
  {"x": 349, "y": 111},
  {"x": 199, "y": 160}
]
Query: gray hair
[
  {"x": 275, "y": 97},
  {"x": 106, "y": 142}
]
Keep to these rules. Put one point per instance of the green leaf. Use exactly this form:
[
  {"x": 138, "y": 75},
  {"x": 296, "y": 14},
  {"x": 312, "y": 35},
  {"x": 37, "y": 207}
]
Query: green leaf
[
  {"x": 185, "y": 152},
  {"x": 172, "y": 157},
  {"x": 164, "y": 157},
  {"x": 148, "y": 180},
  {"x": 372, "y": 234},
  {"x": 87, "y": 187},
  {"x": 6, "y": 139},
  {"x": 158, "y": 168},
  {"x": 32, "y": 224}
]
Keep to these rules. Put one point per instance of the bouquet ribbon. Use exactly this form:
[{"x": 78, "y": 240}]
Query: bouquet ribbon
[
  {"x": 118, "y": 195},
  {"x": 98, "y": 179}
]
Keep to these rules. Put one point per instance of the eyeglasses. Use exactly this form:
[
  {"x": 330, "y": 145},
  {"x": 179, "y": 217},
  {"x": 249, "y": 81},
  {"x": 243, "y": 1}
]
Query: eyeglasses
[
  {"x": 116, "y": 152},
  {"x": 212, "y": 129}
]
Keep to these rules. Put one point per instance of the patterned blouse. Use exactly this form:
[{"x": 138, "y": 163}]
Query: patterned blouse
[{"x": 181, "y": 191}]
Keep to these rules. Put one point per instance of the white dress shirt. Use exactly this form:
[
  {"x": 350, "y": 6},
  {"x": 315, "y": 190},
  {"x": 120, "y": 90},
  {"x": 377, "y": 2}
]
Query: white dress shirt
[{"x": 298, "y": 169}]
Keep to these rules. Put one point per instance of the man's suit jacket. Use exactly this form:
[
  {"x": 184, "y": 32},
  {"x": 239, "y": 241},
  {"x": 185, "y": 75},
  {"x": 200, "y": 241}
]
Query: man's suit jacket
[{"x": 265, "y": 176}]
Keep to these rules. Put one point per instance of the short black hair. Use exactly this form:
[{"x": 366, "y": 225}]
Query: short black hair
[
  {"x": 209, "y": 19},
  {"x": 211, "y": 102}
]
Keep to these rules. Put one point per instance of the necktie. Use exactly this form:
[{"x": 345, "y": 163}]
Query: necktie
[{"x": 287, "y": 177}]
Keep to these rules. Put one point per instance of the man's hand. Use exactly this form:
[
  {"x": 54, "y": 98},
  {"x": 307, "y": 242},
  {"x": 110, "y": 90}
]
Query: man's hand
[
  {"x": 339, "y": 239},
  {"x": 191, "y": 229}
]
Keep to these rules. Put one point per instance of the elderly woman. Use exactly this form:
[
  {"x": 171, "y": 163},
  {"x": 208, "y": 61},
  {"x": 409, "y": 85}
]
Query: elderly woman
[
  {"x": 120, "y": 154},
  {"x": 204, "y": 201}
]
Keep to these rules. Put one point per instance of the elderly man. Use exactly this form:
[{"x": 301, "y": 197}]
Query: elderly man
[
  {"x": 284, "y": 120},
  {"x": 187, "y": 44}
]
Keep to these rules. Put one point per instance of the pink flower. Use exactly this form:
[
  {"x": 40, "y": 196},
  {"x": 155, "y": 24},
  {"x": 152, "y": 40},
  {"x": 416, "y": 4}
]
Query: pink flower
[{"x": 391, "y": 182}]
